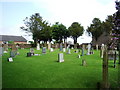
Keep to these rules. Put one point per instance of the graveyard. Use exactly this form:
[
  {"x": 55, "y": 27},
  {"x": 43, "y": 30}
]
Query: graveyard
[{"x": 44, "y": 70}]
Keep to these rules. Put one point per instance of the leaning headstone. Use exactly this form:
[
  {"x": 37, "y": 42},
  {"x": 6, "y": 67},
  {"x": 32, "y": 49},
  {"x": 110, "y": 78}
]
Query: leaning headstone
[
  {"x": 89, "y": 47},
  {"x": 68, "y": 51},
  {"x": 60, "y": 57},
  {"x": 102, "y": 51},
  {"x": 64, "y": 50},
  {"x": 44, "y": 50},
  {"x": 72, "y": 48},
  {"x": 78, "y": 55},
  {"x": 32, "y": 51},
  {"x": 105, "y": 68},
  {"x": 38, "y": 46}
]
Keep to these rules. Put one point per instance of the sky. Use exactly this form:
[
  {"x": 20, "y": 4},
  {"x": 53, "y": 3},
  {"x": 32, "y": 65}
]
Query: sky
[{"x": 13, "y": 12}]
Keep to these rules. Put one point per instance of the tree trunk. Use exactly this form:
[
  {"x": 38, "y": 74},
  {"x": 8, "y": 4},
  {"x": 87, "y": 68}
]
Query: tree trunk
[
  {"x": 75, "y": 42},
  {"x": 65, "y": 46}
]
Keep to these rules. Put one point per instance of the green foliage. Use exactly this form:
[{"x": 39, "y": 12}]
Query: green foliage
[
  {"x": 96, "y": 28},
  {"x": 76, "y": 30},
  {"x": 59, "y": 32},
  {"x": 10, "y": 42}
]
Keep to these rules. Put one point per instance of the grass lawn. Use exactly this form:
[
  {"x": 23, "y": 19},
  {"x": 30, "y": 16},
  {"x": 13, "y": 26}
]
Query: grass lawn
[{"x": 45, "y": 72}]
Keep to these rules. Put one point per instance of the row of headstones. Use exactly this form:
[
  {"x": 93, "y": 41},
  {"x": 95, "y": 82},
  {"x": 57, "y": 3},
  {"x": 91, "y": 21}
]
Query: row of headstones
[{"x": 112, "y": 54}]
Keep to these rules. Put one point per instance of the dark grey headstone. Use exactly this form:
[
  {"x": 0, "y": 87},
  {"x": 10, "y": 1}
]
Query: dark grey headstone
[{"x": 44, "y": 50}]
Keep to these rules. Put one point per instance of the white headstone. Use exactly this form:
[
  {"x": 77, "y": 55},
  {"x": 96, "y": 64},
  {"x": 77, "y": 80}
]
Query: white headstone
[
  {"x": 78, "y": 55},
  {"x": 102, "y": 50},
  {"x": 51, "y": 49},
  {"x": 64, "y": 50},
  {"x": 38, "y": 46},
  {"x": 10, "y": 59},
  {"x": 89, "y": 47},
  {"x": 60, "y": 57},
  {"x": 68, "y": 51}
]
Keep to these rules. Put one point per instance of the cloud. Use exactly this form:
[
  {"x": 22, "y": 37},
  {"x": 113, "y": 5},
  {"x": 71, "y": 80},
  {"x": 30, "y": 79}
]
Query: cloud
[{"x": 82, "y": 11}]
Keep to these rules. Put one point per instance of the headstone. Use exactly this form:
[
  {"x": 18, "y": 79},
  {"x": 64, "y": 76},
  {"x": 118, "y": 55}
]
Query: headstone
[
  {"x": 32, "y": 51},
  {"x": 84, "y": 62},
  {"x": 78, "y": 55},
  {"x": 44, "y": 50},
  {"x": 82, "y": 53},
  {"x": 68, "y": 47},
  {"x": 89, "y": 47},
  {"x": 97, "y": 47},
  {"x": 102, "y": 51},
  {"x": 10, "y": 59},
  {"x": 68, "y": 51},
  {"x": 64, "y": 50},
  {"x": 51, "y": 50},
  {"x": 61, "y": 47},
  {"x": 5, "y": 48},
  {"x": 29, "y": 54},
  {"x": 22, "y": 46},
  {"x": 36, "y": 54},
  {"x": 17, "y": 47},
  {"x": 60, "y": 57},
  {"x": 38, "y": 46},
  {"x": 49, "y": 46},
  {"x": 105, "y": 68},
  {"x": 13, "y": 51},
  {"x": 72, "y": 48},
  {"x": 76, "y": 51}
]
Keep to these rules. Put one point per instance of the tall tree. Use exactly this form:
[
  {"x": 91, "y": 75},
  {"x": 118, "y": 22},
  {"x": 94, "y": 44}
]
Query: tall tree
[
  {"x": 96, "y": 28},
  {"x": 59, "y": 32},
  {"x": 33, "y": 25},
  {"x": 75, "y": 30}
]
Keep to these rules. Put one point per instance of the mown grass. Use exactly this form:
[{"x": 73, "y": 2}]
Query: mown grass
[{"x": 45, "y": 72}]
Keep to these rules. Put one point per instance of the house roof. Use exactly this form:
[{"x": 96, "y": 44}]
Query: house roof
[{"x": 12, "y": 38}]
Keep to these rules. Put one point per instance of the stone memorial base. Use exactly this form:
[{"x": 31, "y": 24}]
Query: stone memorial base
[{"x": 5, "y": 52}]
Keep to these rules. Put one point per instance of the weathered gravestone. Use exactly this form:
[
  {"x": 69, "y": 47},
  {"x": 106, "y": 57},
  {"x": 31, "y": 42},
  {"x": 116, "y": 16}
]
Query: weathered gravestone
[
  {"x": 5, "y": 48},
  {"x": 82, "y": 53},
  {"x": 44, "y": 50},
  {"x": 22, "y": 46},
  {"x": 64, "y": 50},
  {"x": 89, "y": 48},
  {"x": 49, "y": 46},
  {"x": 61, "y": 47},
  {"x": 102, "y": 51},
  {"x": 60, "y": 57},
  {"x": 69, "y": 51},
  {"x": 38, "y": 46},
  {"x": 97, "y": 47},
  {"x": 32, "y": 51},
  {"x": 84, "y": 62},
  {"x": 13, "y": 51}
]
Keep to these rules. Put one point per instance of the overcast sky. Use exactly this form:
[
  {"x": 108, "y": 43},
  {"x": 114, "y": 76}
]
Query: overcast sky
[{"x": 63, "y": 11}]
